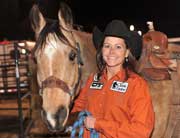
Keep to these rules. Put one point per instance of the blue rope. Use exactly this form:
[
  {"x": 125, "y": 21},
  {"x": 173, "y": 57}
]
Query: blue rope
[{"x": 79, "y": 124}]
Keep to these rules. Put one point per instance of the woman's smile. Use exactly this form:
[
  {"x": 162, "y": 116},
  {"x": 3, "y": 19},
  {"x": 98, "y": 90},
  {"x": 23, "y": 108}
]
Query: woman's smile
[{"x": 114, "y": 51}]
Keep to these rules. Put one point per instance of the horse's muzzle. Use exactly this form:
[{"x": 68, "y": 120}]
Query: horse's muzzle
[{"x": 55, "y": 122}]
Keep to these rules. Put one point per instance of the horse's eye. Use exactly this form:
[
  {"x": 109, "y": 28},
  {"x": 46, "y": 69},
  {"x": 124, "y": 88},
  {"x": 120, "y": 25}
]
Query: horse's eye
[{"x": 72, "y": 55}]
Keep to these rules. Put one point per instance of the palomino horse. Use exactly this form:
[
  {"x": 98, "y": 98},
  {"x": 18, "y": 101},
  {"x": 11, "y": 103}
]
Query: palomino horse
[
  {"x": 60, "y": 68},
  {"x": 161, "y": 74}
]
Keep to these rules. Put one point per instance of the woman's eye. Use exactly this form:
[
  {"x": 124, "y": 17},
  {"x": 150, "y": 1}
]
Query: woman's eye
[
  {"x": 72, "y": 55},
  {"x": 118, "y": 46},
  {"x": 106, "y": 46}
]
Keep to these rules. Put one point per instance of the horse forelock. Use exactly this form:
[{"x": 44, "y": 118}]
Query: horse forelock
[{"x": 51, "y": 27}]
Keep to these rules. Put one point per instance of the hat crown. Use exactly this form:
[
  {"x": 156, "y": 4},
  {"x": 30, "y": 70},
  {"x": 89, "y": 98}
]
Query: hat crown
[{"x": 117, "y": 28}]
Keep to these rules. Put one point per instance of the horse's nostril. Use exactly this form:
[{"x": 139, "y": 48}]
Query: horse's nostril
[{"x": 61, "y": 114}]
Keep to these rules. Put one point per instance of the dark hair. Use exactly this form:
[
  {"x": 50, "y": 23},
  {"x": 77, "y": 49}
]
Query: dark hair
[{"x": 101, "y": 63}]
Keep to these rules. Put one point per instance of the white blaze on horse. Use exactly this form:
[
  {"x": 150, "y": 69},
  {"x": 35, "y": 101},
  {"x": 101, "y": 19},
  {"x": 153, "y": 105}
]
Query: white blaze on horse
[{"x": 60, "y": 68}]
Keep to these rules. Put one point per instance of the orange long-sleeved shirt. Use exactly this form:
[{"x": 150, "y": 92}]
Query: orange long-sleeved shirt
[{"x": 124, "y": 111}]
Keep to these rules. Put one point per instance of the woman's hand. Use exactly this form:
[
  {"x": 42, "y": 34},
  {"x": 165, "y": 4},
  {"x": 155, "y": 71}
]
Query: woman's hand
[{"x": 89, "y": 122}]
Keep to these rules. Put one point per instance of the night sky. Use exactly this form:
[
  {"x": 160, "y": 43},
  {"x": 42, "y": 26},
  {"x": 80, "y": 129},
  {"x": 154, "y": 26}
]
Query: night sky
[{"x": 14, "y": 21}]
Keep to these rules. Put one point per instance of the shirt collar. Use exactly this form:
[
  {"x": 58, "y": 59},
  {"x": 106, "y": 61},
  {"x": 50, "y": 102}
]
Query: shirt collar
[{"x": 120, "y": 75}]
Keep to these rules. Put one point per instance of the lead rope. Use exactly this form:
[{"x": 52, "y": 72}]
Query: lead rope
[{"x": 79, "y": 124}]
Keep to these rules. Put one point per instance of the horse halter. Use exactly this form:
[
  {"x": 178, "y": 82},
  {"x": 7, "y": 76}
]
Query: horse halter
[{"x": 54, "y": 82}]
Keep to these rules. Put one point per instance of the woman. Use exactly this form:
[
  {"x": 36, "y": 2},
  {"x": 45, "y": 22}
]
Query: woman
[{"x": 118, "y": 99}]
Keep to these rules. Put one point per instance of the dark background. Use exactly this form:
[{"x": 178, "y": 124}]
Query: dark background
[{"x": 14, "y": 21}]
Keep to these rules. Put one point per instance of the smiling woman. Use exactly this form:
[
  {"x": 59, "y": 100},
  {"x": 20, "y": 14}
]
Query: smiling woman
[
  {"x": 114, "y": 50},
  {"x": 123, "y": 102}
]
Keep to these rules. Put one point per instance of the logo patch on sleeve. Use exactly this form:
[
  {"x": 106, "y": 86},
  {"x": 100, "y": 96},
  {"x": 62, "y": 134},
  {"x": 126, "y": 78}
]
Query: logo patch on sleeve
[
  {"x": 119, "y": 86},
  {"x": 96, "y": 85}
]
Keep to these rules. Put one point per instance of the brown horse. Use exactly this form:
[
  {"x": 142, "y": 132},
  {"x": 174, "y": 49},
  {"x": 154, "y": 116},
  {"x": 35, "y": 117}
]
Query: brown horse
[
  {"x": 160, "y": 74},
  {"x": 60, "y": 68}
]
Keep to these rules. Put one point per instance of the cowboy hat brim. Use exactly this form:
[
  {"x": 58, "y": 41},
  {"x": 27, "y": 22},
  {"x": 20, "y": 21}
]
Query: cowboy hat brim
[
  {"x": 116, "y": 28},
  {"x": 135, "y": 41}
]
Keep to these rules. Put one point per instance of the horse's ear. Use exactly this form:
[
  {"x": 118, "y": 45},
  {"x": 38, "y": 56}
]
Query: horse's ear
[
  {"x": 65, "y": 16},
  {"x": 37, "y": 20}
]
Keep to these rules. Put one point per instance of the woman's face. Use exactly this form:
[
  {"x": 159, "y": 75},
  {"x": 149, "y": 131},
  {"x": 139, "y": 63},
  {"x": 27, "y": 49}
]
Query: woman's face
[{"x": 114, "y": 51}]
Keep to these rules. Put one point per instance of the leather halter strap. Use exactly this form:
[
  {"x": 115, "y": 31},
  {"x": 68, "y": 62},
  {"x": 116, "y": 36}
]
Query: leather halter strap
[{"x": 53, "y": 82}]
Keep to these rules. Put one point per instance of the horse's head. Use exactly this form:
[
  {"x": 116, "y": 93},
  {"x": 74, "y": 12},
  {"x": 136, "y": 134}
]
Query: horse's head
[{"x": 58, "y": 65}]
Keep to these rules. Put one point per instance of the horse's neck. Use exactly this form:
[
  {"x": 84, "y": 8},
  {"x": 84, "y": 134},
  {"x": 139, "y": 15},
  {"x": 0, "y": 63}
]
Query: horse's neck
[{"x": 88, "y": 53}]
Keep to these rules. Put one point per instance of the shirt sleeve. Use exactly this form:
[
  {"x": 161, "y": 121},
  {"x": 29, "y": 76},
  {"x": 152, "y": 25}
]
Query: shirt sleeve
[
  {"x": 80, "y": 101},
  {"x": 142, "y": 116}
]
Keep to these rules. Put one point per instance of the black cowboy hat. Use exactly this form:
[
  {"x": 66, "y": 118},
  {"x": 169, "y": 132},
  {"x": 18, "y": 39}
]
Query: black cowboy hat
[{"x": 118, "y": 28}]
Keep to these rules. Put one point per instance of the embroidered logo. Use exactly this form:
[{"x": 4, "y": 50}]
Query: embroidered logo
[
  {"x": 96, "y": 85},
  {"x": 119, "y": 86}
]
